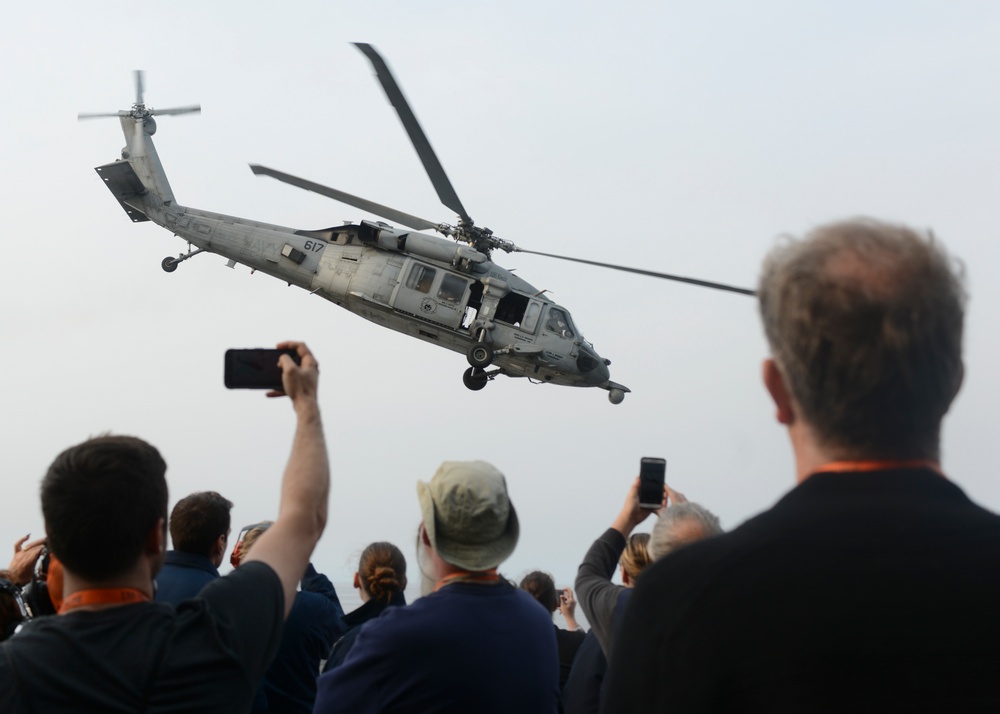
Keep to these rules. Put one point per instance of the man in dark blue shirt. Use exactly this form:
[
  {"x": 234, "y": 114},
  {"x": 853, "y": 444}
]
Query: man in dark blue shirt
[
  {"x": 199, "y": 529},
  {"x": 476, "y": 643}
]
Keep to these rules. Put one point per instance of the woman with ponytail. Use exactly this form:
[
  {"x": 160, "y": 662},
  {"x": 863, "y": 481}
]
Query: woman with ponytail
[{"x": 381, "y": 580}]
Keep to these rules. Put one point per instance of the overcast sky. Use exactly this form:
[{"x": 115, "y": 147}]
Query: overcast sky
[{"x": 679, "y": 137}]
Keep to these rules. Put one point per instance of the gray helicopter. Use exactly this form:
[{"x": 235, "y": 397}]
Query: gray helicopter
[{"x": 446, "y": 292}]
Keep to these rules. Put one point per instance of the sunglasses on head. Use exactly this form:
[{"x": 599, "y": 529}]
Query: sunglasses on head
[{"x": 234, "y": 558}]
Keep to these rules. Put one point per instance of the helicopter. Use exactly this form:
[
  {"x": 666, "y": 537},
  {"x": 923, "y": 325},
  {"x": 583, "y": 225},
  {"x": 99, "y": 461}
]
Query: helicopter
[{"x": 446, "y": 292}]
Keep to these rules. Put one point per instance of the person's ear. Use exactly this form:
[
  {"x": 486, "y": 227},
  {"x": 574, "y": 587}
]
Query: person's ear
[
  {"x": 357, "y": 582},
  {"x": 425, "y": 539},
  {"x": 774, "y": 381},
  {"x": 219, "y": 548},
  {"x": 156, "y": 539},
  {"x": 625, "y": 578}
]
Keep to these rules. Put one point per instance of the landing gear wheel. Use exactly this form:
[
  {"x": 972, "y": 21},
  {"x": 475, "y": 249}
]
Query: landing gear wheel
[
  {"x": 169, "y": 264},
  {"x": 474, "y": 379},
  {"x": 480, "y": 355}
]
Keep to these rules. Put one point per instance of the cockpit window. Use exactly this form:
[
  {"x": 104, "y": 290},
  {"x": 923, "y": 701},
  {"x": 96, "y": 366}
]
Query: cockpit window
[{"x": 558, "y": 322}]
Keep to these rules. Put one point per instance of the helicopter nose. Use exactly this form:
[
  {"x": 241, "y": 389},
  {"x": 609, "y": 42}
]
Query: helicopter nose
[
  {"x": 592, "y": 366},
  {"x": 602, "y": 373}
]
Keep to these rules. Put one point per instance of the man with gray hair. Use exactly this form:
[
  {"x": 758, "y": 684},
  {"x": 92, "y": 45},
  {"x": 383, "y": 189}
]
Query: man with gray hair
[
  {"x": 476, "y": 643},
  {"x": 680, "y": 523},
  {"x": 874, "y": 582}
]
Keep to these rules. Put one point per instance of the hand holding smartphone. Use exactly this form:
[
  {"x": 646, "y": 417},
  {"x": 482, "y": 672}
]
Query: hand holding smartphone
[
  {"x": 652, "y": 476},
  {"x": 256, "y": 368}
]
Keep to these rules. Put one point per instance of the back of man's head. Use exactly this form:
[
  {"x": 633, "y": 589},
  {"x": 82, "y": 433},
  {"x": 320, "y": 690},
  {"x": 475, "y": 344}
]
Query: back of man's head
[
  {"x": 681, "y": 524},
  {"x": 100, "y": 500},
  {"x": 198, "y": 520},
  {"x": 467, "y": 515},
  {"x": 864, "y": 321}
]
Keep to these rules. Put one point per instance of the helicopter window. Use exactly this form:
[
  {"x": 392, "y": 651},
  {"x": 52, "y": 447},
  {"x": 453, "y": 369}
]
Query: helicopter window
[
  {"x": 531, "y": 316},
  {"x": 558, "y": 323},
  {"x": 511, "y": 308},
  {"x": 452, "y": 288},
  {"x": 420, "y": 278}
]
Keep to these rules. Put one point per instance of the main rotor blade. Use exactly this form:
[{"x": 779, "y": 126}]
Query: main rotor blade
[
  {"x": 102, "y": 114},
  {"x": 138, "y": 86},
  {"x": 392, "y": 214},
  {"x": 651, "y": 273},
  {"x": 432, "y": 166},
  {"x": 194, "y": 108}
]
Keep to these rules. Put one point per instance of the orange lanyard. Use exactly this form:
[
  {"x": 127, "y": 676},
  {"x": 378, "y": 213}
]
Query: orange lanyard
[
  {"x": 484, "y": 578},
  {"x": 876, "y": 465},
  {"x": 104, "y": 596}
]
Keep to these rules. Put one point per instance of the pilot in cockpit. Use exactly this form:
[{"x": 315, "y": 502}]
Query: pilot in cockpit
[{"x": 558, "y": 323}]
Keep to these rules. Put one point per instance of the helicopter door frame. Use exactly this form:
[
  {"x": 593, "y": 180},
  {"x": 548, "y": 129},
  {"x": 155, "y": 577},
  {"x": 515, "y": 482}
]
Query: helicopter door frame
[{"x": 431, "y": 293}]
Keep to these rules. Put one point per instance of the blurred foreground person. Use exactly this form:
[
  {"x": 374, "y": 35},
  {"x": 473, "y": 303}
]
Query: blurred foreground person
[
  {"x": 381, "y": 582},
  {"x": 112, "y": 650},
  {"x": 476, "y": 644},
  {"x": 542, "y": 587},
  {"x": 873, "y": 584},
  {"x": 199, "y": 529}
]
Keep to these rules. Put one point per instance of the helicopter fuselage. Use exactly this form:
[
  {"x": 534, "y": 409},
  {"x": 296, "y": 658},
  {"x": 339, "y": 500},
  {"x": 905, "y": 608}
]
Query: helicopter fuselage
[
  {"x": 445, "y": 293},
  {"x": 420, "y": 285},
  {"x": 436, "y": 290}
]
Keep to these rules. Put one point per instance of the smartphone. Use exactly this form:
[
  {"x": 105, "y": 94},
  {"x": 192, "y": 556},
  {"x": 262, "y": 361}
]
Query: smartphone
[
  {"x": 256, "y": 368},
  {"x": 652, "y": 475}
]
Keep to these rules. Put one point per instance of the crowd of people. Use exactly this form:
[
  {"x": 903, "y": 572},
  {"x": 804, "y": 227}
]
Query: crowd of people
[{"x": 870, "y": 585}]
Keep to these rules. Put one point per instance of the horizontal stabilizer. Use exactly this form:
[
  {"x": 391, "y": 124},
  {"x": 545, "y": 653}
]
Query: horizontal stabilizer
[{"x": 123, "y": 182}]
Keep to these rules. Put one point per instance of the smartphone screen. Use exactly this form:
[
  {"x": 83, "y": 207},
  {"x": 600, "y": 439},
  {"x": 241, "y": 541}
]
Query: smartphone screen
[
  {"x": 652, "y": 474},
  {"x": 255, "y": 368}
]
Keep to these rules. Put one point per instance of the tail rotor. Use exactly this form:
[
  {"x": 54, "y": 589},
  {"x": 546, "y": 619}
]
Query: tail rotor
[{"x": 139, "y": 111}]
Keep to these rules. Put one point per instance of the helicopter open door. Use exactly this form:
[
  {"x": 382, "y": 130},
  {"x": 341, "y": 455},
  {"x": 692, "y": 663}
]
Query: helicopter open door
[{"x": 431, "y": 293}]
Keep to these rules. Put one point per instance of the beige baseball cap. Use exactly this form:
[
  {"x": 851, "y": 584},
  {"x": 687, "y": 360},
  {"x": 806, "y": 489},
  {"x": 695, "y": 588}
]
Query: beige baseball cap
[{"x": 469, "y": 518}]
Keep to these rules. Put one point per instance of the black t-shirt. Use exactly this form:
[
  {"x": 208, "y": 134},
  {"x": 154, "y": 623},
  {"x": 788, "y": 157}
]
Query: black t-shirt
[
  {"x": 567, "y": 642},
  {"x": 207, "y": 655}
]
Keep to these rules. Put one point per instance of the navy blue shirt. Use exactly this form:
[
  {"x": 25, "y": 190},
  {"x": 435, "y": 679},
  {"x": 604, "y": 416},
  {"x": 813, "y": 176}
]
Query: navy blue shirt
[
  {"x": 468, "y": 647},
  {"x": 582, "y": 692},
  {"x": 313, "y": 625},
  {"x": 183, "y": 576},
  {"x": 353, "y": 622}
]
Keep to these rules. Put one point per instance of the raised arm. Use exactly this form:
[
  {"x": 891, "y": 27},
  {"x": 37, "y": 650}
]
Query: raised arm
[
  {"x": 597, "y": 595},
  {"x": 305, "y": 489}
]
